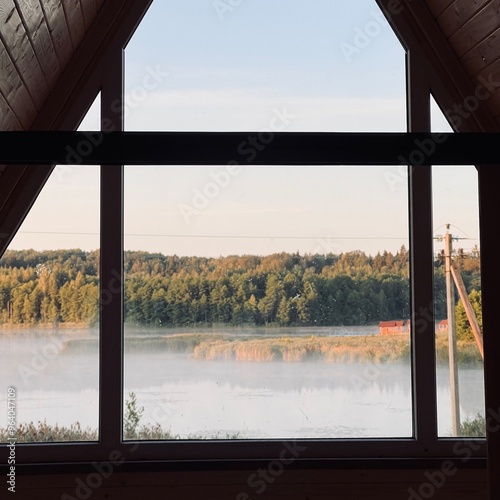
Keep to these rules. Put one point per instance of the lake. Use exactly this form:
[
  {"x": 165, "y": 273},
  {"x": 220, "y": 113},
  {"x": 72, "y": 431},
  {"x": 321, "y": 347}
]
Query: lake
[{"x": 55, "y": 374}]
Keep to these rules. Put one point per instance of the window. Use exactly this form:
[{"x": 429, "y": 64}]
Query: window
[
  {"x": 260, "y": 318},
  {"x": 49, "y": 303},
  {"x": 460, "y": 383},
  {"x": 263, "y": 321},
  {"x": 418, "y": 438}
]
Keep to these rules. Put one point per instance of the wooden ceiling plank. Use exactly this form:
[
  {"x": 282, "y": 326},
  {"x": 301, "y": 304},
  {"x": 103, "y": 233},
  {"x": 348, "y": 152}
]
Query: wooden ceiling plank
[
  {"x": 74, "y": 18},
  {"x": 14, "y": 91},
  {"x": 80, "y": 83},
  {"x": 89, "y": 11},
  {"x": 483, "y": 54},
  {"x": 449, "y": 82},
  {"x": 492, "y": 74},
  {"x": 22, "y": 106},
  {"x": 46, "y": 53},
  {"x": 58, "y": 29},
  {"x": 457, "y": 14},
  {"x": 16, "y": 207},
  {"x": 10, "y": 177},
  {"x": 51, "y": 41},
  {"x": 8, "y": 120},
  {"x": 8, "y": 73},
  {"x": 99, "y": 4},
  {"x": 477, "y": 29},
  {"x": 15, "y": 39},
  {"x": 31, "y": 13},
  {"x": 438, "y": 6},
  {"x": 36, "y": 28}
]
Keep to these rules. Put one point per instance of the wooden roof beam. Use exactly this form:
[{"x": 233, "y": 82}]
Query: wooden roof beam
[{"x": 448, "y": 81}]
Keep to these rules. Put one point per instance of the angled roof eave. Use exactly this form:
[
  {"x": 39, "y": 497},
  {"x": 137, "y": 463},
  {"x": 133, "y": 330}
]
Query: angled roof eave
[{"x": 67, "y": 104}]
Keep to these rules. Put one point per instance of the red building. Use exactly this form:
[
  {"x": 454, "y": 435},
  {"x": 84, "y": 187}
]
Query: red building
[
  {"x": 443, "y": 325},
  {"x": 394, "y": 327}
]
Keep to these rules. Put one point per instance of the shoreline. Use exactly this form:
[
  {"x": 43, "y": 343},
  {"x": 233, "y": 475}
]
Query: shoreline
[
  {"x": 46, "y": 326},
  {"x": 241, "y": 348}
]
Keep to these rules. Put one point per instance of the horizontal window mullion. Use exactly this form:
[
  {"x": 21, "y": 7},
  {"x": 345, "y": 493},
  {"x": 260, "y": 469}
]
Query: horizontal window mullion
[
  {"x": 192, "y": 451},
  {"x": 247, "y": 148}
]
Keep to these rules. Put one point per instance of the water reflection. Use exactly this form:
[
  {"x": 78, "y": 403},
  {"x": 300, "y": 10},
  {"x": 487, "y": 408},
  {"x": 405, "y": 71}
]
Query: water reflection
[{"x": 56, "y": 376}]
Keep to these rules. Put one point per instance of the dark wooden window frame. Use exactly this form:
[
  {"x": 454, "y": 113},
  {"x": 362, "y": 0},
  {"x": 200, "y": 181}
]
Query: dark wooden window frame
[{"x": 116, "y": 148}]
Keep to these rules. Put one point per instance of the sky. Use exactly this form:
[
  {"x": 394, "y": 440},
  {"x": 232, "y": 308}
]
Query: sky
[{"x": 255, "y": 65}]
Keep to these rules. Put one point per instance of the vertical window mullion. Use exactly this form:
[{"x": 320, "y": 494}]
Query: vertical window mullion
[
  {"x": 489, "y": 177},
  {"x": 422, "y": 269},
  {"x": 111, "y": 298}
]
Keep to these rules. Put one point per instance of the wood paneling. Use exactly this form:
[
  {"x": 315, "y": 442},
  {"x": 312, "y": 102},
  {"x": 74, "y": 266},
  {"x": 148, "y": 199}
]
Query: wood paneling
[
  {"x": 37, "y": 41},
  {"x": 445, "y": 76},
  {"x": 246, "y": 485},
  {"x": 438, "y": 6},
  {"x": 38, "y": 33},
  {"x": 8, "y": 120},
  {"x": 457, "y": 14},
  {"x": 13, "y": 90},
  {"x": 10, "y": 178},
  {"x": 491, "y": 74},
  {"x": 474, "y": 31},
  {"x": 74, "y": 18},
  {"x": 483, "y": 54},
  {"x": 31, "y": 13},
  {"x": 58, "y": 29},
  {"x": 21, "y": 52},
  {"x": 89, "y": 11}
]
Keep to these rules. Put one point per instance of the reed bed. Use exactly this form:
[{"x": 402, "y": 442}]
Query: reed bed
[
  {"x": 374, "y": 349},
  {"x": 349, "y": 349},
  {"x": 334, "y": 349}
]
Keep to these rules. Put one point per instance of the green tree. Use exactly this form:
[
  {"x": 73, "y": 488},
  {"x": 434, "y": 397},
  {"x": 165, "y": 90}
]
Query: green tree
[{"x": 464, "y": 330}]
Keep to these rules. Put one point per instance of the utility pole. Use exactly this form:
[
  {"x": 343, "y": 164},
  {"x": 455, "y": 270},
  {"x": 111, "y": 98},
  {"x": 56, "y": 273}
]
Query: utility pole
[
  {"x": 452, "y": 337},
  {"x": 469, "y": 310}
]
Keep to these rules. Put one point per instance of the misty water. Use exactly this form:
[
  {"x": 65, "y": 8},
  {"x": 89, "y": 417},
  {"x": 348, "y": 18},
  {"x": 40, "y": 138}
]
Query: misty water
[{"x": 55, "y": 374}]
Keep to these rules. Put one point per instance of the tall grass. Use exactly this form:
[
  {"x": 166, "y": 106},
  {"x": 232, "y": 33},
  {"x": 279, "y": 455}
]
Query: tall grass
[
  {"x": 467, "y": 351},
  {"x": 41, "y": 432},
  {"x": 133, "y": 430},
  {"x": 375, "y": 349},
  {"x": 355, "y": 348},
  {"x": 372, "y": 348}
]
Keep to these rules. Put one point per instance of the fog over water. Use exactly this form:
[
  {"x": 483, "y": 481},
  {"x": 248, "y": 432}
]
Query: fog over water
[{"x": 56, "y": 378}]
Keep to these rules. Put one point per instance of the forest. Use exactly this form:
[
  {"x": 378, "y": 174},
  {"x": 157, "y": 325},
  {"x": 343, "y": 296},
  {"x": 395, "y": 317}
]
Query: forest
[{"x": 284, "y": 289}]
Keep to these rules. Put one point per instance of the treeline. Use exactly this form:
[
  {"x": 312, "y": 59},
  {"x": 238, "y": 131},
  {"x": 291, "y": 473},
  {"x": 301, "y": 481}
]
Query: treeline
[
  {"x": 284, "y": 289},
  {"x": 49, "y": 287}
]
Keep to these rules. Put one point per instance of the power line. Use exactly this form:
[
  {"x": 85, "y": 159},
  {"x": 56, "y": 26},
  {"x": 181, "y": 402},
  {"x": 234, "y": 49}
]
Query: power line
[{"x": 147, "y": 235}]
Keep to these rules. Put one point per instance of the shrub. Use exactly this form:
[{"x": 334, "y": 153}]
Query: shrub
[{"x": 473, "y": 427}]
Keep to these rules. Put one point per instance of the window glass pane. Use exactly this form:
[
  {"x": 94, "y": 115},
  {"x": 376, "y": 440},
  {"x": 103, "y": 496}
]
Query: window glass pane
[
  {"x": 284, "y": 65},
  {"x": 460, "y": 384},
  {"x": 266, "y": 302},
  {"x": 49, "y": 291}
]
